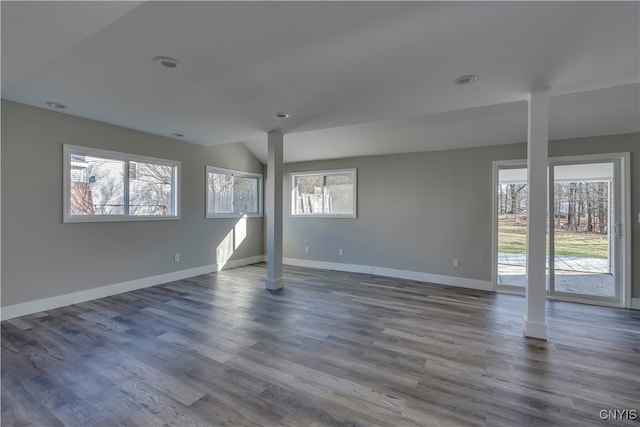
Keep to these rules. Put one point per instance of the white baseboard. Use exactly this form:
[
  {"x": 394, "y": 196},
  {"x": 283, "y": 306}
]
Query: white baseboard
[
  {"x": 240, "y": 262},
  {"x": 535, "y": 329},
  {"x": 323, "y": 265},
  {"x": 17, "y": 310},
  {"x": 390, "y": 272},
  {"x": 635, "y": 303},
  {"x": 274, "y": 285},
  {"x": 460, "y": 282}
]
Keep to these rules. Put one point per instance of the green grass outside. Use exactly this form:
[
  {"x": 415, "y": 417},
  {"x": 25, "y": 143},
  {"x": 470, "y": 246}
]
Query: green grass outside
[{"x": 512, "y": 238}]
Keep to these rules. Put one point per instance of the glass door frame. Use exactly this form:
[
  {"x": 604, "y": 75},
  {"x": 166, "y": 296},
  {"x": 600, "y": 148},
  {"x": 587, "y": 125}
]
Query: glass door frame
[
  {"x": 622, "y": 251},
  {"x": 497, "y": 166},
  {"x": 618, "y": 229}
]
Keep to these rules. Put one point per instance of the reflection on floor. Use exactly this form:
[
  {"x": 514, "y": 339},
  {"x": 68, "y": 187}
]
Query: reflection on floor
[{"x": 578, "y": 275}]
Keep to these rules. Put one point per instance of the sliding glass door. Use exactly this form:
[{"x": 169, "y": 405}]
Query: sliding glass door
[
  {"x": 588, "y": 256},
  {"x": 512, "y": 228},
  {"x": 585, "y": 233}
]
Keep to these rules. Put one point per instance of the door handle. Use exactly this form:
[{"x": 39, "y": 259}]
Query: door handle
[{"x": 618, "y": 230}]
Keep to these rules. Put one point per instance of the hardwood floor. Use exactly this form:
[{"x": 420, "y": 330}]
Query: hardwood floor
[{"x": 332, "y": 349}]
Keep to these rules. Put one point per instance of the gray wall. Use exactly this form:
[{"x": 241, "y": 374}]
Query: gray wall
[
  {"x": 443, "y": 209},
  {"x": 419, "y": 211},
  {"x": 42, "y": 257}
]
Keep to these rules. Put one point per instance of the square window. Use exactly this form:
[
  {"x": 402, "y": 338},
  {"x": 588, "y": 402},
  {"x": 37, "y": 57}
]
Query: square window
[
  {"x": 150, "y": 189},
  {"x": 232, "y": 194}
]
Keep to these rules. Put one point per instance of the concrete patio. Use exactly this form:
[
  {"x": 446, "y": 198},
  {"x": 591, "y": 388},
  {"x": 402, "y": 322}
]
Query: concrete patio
[{"x": 577, "y": 275}]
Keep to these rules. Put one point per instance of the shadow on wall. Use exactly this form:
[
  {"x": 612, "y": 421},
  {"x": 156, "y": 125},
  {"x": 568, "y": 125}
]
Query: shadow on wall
[{"x": 231, "y": 242}]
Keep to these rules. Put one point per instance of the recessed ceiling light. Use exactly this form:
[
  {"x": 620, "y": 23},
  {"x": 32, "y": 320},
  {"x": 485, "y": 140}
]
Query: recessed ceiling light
[
  {"x": 283, "y": 115},
  {"x": 177, "y": 135},
  {"x": 465, "y": 80},
  {"x": 55, "y": 105},
  {"x": 167, "y": 62}
]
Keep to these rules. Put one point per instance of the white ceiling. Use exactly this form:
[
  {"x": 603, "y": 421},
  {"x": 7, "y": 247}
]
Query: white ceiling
[{"x": 358, "y": 78}]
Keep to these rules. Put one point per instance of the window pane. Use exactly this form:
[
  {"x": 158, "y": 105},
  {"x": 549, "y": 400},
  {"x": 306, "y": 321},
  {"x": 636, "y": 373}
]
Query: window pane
[
  {"x": 308, "y": 194},
  {"x": 220, "y": 191},
  {"x": 97, "y": 186},
  {"x": 233, "y": 193},
  {"x": 339, "y": 194},
  {"x": 326, "y": 193},
  {"x": 150, "y": 188},
  {"x": 246, "y": 194}
]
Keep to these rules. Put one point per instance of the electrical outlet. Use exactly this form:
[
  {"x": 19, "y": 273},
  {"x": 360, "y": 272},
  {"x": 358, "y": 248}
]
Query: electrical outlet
[
  {"x": 306, "y": 249},
  {"x": 176, "y": 257},
  {"x": 456, "y": 262},
  {"x": 341, "y": 252}
]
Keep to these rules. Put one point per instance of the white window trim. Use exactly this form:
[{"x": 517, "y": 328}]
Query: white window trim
[
  {"x": 69, "y": 149},
  {"x": 232, "y": 172},
  {"x": 324, "y": 173}
]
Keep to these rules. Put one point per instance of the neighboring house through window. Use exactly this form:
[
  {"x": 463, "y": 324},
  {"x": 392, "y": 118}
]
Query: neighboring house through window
[{"x": 101, "y": 185}]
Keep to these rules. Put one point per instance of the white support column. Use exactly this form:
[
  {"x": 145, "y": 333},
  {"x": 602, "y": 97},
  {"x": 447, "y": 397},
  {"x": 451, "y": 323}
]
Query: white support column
[
  {"x": 273, "y": 211},
  {"x": 535, "y": 325}
]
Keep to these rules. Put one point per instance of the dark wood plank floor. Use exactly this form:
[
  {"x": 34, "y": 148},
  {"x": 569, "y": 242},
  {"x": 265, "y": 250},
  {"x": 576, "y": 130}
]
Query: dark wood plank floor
[{"x": 332, "y": 349}]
